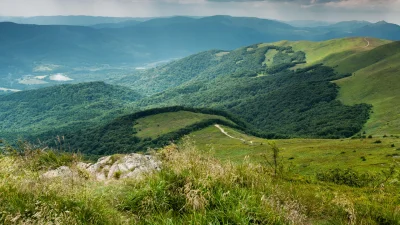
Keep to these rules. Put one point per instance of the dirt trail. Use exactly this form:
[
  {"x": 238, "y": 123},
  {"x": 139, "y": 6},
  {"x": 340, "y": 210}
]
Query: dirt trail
[
  {"x": 228, "y": 135},
  {"x": 367, "y": 43}
]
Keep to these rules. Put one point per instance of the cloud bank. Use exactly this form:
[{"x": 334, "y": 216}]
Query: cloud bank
[{"x": 329, "y": 10}]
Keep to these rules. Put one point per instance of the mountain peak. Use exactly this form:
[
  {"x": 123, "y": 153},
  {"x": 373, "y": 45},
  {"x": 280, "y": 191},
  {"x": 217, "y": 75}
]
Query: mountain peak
[{"x": 382, "y": 22}]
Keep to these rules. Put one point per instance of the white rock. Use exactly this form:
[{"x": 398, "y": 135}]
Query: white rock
[
  {"x": 63, "y": 172},
  {"x": 112, "y": 167},
  {"x": 83, "y": 166}
]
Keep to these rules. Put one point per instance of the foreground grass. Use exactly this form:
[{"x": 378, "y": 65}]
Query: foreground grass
[{"x": 192, "y": 188}]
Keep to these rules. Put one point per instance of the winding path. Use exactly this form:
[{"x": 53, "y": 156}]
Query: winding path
[
  {"x": 367, "y": 43},
  {"x": 228, "y": 135}
]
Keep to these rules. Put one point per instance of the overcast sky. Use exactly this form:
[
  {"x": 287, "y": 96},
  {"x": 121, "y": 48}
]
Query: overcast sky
[{"x": 327, "y": 10}]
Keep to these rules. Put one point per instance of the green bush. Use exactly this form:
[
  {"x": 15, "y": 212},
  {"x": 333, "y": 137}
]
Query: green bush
[
  {"x": 43, "y": 158},
  {"x": 347, "y": 177}
]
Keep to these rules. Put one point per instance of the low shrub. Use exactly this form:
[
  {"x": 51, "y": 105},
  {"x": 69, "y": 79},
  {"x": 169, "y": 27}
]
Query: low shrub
[{"x": 347, "y": 177}]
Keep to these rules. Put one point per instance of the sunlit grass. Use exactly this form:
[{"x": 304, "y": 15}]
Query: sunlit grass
[
  {"x": 306, "y": 155},
  {"x": 163, "y": 123},
  {"x": 376, "y": 84},
  {"x": 193, "y": 187}
]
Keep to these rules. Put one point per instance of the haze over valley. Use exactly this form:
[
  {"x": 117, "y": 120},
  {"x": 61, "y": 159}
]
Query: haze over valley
[{"x": 104, "y": 51}]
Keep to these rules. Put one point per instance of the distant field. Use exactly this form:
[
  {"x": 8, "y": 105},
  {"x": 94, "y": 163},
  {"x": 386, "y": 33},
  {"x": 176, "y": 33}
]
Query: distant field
[
  {"x": 307, "y": 156},
  {"x": 269, "y": 57},
  {"x": 332, "y": 51},
  {"x": 321, "y": 52},
  {"x": 159, "y": 124}
]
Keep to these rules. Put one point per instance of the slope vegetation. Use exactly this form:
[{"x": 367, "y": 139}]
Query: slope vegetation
[
  {"x": 61, "y": 107},
  {"x": 146, "y": 129},
  {"x": 333, "y": 51},
  {"x": 374, "y": 68},
  {"x": 375, "y": 81},
  {"x": 258, "y": 84},
  {"x": 273, "y": 87},
  {"x": 306, "y": 156},
  {"x": 191, "y": 188}
]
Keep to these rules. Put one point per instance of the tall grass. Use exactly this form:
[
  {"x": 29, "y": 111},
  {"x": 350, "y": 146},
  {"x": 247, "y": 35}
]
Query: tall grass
[{"x": 192, "y": 188}]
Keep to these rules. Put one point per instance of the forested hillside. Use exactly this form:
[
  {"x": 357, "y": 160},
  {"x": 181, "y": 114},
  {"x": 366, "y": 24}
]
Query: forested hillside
[
  {"x": 260, "y": 84},
  {"x": 280, "y": 90},
  {"x": 300, "y": 103},
  {"x": 50, "y": 110},
  {"x": 152, "y": 128}
]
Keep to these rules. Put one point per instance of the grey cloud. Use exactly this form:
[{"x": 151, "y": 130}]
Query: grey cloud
[
  {"x": 313, "y": 2},
  {"x": 332, "y": 10},
  {"x": 282, "y": 1}
]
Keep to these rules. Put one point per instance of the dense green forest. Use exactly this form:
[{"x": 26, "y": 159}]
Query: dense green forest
[
  {"x": 206, "y": 66},
  {"x": 53, "y": 109}
]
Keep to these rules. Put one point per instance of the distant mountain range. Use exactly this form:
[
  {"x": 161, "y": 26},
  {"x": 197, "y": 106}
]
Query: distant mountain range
[
  {"x": 126, "y": 41},
  {"x": 68, "y": 20},
  {"x": 307, "y": 23}
]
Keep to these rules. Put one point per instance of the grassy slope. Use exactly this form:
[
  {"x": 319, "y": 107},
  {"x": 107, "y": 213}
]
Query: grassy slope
[
  {"x": 163, "y": 123},
  {"x": 269, "y": 57},
  {"x": 376, "y": 84},
  {"x": 375, "y": 78},
  {"x": 309, "y": 155},
  {"x": 192, "y": 188},
  {"x": 335, "y": 50}
]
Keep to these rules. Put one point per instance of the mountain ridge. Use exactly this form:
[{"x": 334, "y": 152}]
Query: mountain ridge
[{"x": 123, "y": 49}]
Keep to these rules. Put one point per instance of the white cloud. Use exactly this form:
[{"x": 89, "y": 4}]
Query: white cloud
[{"x": 60, "y": 77}]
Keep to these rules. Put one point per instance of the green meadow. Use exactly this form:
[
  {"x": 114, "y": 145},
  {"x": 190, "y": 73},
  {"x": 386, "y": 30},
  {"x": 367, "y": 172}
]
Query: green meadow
[
  {"x": 305, "y": 156},
  {"x": 156, "y": 125}
]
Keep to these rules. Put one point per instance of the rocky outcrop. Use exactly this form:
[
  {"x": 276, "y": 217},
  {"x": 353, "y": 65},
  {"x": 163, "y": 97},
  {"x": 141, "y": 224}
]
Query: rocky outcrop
[
  {"x": 62, "y": 171},
  {"x": 111, "y": 167}
]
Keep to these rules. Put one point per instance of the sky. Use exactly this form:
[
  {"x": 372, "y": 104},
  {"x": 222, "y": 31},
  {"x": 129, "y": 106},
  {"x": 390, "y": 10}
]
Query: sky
[{"x": 322, "y": 10}]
